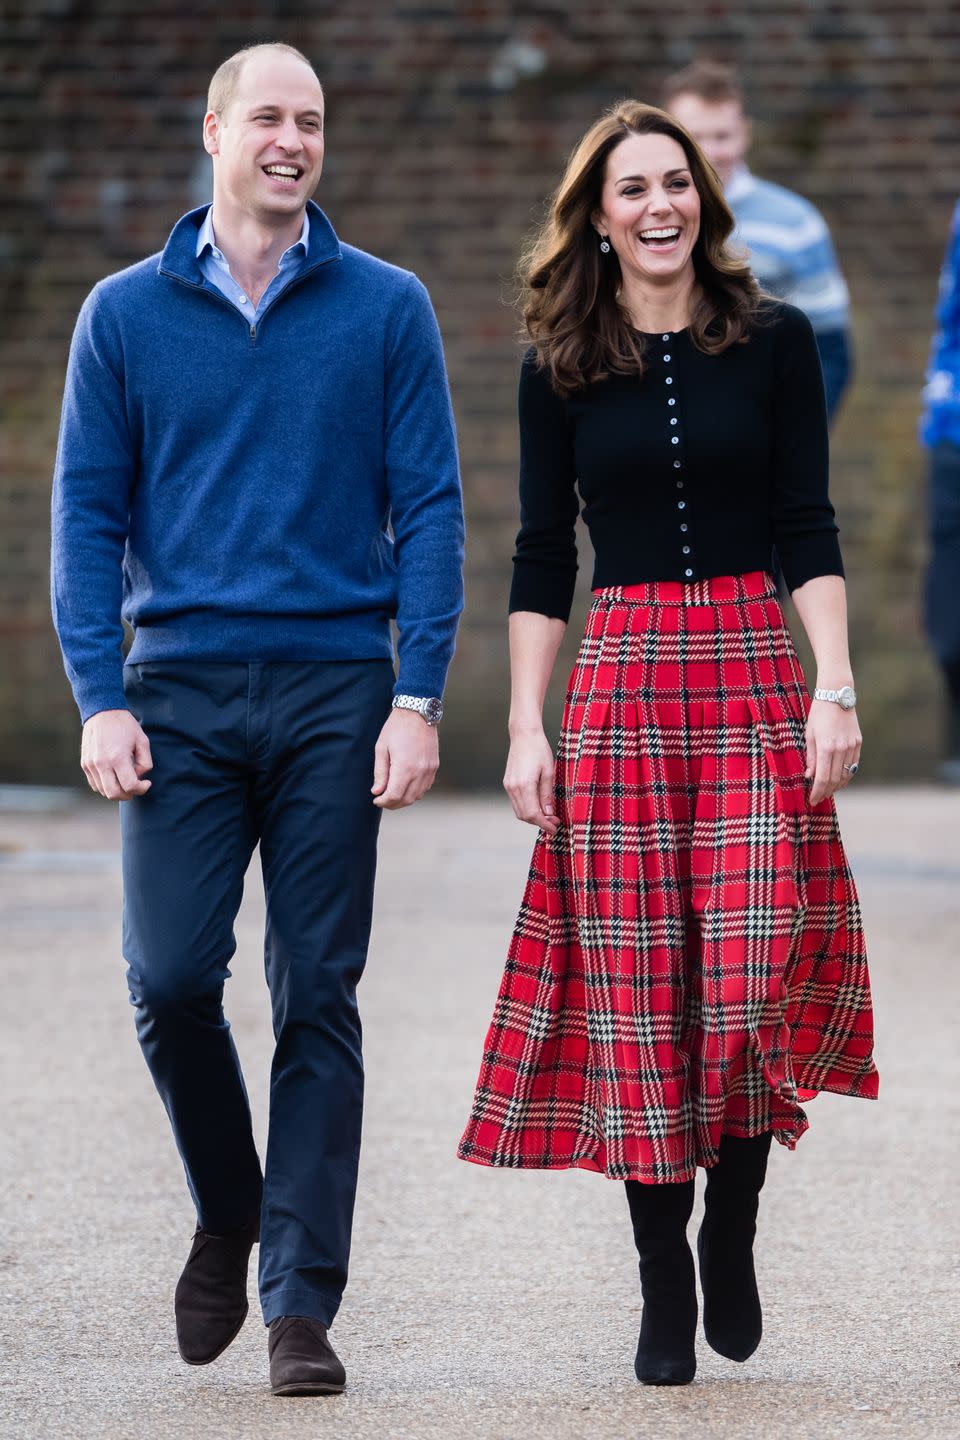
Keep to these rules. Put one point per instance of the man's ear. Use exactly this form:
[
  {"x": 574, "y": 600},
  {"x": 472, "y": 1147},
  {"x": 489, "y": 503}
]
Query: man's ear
[{"x": 211, "y": 132}]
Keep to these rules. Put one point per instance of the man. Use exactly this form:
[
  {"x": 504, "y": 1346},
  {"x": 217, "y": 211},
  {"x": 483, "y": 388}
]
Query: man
[
  {"x": 787, "y": 238},
  {"x": 940, "y": 433},
  {"x": 244, "y": 416}
]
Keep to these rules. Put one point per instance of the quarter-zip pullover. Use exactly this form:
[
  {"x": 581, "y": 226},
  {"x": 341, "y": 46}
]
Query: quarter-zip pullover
[{"x": 276, "y": 490}]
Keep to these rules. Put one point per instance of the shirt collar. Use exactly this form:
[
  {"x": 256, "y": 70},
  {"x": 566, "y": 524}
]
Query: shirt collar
[
  {"x": 205, "y": 236},
  {"x": 179, "y": 259},
  {"x": 206, "y": 239},
  {"x": 741, "y": 183},
  {"x": 302, "y": 244}
]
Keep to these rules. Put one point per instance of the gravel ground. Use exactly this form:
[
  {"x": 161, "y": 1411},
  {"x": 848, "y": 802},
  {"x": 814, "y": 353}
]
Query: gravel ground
[{"x": 481, "y": 1304}]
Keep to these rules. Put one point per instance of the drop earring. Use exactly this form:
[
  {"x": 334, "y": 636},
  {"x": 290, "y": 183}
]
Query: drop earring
[{"x": 604, "y": 245}]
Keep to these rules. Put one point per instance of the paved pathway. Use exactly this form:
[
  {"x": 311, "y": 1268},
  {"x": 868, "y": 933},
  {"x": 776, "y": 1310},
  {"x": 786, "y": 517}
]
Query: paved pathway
[{"x": 482, "y": 1306}]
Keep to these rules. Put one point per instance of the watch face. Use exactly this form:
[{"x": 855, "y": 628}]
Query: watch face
[
  {"x": 433, "y": 711},
  {"x": 847, "y": 697}
]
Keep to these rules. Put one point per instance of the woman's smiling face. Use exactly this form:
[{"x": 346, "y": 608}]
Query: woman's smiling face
[{"x": 649, "y": 207}]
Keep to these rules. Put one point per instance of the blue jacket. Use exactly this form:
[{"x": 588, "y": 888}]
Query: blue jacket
[
  {"x": 941, "y": 416},
  {"x": 254, "y": 492}
]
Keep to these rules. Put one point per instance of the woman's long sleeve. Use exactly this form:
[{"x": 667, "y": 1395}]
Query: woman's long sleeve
[
  {"x": 804, "y": 525},
  {"x": 545, "y": 561}
]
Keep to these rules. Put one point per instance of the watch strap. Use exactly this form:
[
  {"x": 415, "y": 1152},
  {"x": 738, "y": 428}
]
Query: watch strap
[
  {"x": 430, "y": 708},
  {"x": 846, "y": 696}
]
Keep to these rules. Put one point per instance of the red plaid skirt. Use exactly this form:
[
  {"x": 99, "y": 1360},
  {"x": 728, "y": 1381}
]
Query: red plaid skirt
[{"x": 689, "y": 957}]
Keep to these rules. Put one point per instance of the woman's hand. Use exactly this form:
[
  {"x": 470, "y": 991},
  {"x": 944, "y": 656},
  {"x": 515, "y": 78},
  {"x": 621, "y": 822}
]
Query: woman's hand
[
  {"x": 529, "y": 780},
  {"x": 833, "y": 741}
]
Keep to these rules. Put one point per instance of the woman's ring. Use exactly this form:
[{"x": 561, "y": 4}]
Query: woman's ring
[{"x": 853, "y": 768}]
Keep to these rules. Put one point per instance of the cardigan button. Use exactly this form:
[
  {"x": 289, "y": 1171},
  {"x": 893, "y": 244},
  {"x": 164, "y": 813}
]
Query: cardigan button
[
  {"x": 688, "y": 573},
  {"x": 675, "y": 440},
  {"x": 673, "y": 420},
  {"x": 684, "y": 527},
  {"x": 686, "y": 549},
  {"x": 666, "y": 359},
  {"x": 665, "y": 337},
  {"x": 681, "y": 504},
  {"x": 671, "y": 401},
  {"x": 669, "y": 379},
  {"x": 676, "y": 464}
]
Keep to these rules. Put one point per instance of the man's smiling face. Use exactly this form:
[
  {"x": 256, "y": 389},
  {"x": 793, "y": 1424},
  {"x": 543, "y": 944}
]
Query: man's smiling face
[{"x": 267, "y": 146}]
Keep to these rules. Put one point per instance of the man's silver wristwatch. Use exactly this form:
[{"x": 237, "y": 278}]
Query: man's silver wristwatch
[
  {"x": 431, "y": 710},
  {"x": 846, "y": 697}
]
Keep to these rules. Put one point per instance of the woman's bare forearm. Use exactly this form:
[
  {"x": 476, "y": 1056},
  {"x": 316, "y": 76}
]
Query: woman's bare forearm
[
  {"x": 833, "y": 736},
  {"x": 534, "y": 642},
  {"x": 822, "y": 606}
]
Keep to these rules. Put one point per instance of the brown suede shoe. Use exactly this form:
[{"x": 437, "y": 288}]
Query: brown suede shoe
[
  {"x": 210, "y": 1302},
  {"x": 302, "y": 1360}
]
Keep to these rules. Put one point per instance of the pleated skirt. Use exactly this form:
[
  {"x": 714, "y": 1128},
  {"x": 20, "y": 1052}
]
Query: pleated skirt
[{"x": 689, "y": 957}]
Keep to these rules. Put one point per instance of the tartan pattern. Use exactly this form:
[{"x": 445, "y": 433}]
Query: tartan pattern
[{"x": 689, "y": 956}]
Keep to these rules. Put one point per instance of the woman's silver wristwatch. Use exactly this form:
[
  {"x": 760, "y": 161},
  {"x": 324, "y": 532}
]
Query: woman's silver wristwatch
[
  {"x": 431, "y": 710},
  {"x": 845, "y": 697}
]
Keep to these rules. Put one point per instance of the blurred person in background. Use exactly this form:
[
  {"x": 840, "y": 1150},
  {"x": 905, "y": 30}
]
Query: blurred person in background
[
  {"x": 688, "y": 964},
  {"x": 787, "y": 239},
  {"x": 940, "y": 433},
  {"x": 246, "y": 417}
]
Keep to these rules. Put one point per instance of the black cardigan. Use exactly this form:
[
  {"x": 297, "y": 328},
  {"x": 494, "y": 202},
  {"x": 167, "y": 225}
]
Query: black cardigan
[{"x": 700, "y": 468}]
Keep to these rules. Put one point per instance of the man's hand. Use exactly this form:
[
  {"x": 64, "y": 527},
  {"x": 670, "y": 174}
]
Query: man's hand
[
  {"x": 115, "y": 755},
  {"x": 406, "y": 758}
]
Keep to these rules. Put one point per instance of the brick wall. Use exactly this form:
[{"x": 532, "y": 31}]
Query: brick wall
[{"x": 447, "y": 127}]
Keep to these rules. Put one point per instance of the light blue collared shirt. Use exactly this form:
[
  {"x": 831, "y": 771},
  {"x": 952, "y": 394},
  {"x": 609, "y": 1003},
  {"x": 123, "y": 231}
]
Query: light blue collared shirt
[{"x": 216, "y": 268}]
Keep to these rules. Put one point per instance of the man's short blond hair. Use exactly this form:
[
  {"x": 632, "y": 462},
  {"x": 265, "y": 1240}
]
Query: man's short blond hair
[
  {"x": 223, "y": 86},
  {"x": 707, "y": 79}
]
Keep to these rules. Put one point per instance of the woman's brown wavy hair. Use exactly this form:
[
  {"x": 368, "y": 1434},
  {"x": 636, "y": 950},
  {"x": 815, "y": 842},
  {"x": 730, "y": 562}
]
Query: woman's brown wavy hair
[{"x": 571, "y": 309}]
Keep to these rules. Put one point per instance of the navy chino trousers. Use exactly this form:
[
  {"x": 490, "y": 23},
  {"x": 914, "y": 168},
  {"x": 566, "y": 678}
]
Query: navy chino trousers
[{"x": 280, "y": 754}]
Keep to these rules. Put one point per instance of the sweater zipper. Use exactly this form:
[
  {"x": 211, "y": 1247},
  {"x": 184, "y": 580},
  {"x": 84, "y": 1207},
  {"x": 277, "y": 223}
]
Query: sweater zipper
[
  {"x": 297, "y": 280},
  {"x": 216, "y": 294}
]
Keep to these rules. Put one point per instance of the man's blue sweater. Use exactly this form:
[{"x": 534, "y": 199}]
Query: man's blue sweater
[{"x": 231, "y": 489}]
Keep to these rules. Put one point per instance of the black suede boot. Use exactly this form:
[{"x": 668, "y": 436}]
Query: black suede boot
[
  {"x": 732, "y": 1317},
  {"x": 210, "y": 1303},
  {"x": 302, "y": 1360},
  {"x": 666, "y": 1353}
]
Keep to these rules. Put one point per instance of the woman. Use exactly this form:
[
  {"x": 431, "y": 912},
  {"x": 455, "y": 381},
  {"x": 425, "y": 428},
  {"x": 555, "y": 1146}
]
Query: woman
[{"x": 688, "y": 964}]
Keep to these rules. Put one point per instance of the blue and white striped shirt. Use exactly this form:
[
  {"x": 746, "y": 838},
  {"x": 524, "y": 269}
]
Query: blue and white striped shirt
[{"x": 791, "y": 252}]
